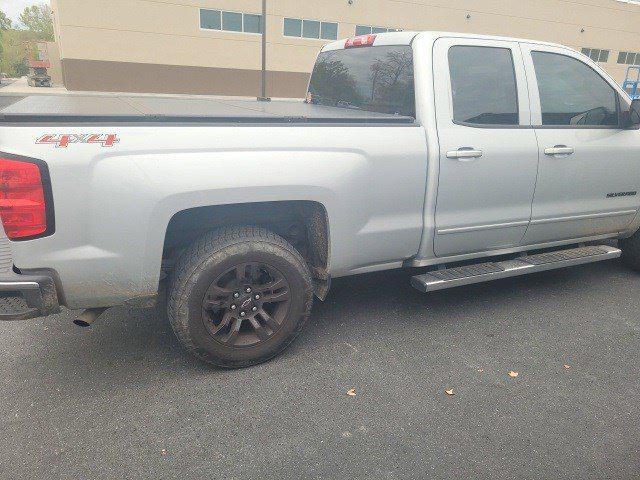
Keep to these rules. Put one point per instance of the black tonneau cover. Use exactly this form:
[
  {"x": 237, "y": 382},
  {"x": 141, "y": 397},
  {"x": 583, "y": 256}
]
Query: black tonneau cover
[{"x": 118, "y": 108}]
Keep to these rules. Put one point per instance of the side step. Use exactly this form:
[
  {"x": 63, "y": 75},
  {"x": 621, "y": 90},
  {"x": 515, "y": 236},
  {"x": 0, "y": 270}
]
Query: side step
[{"x": 484, "y": 272}]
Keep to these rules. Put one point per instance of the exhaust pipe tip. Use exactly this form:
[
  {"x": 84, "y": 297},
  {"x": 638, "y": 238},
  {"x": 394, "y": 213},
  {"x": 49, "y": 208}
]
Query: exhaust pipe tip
[{"x": 88, "y": 317}]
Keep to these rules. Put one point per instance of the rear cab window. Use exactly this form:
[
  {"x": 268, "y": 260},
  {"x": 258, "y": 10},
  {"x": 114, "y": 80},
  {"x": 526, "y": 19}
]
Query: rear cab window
[{"x": 374, "y": 79}]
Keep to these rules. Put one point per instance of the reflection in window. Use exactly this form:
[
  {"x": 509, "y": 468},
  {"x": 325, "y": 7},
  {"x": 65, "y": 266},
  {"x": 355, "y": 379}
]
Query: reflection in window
[
  {"x": 572, "y": 93},
  {"x": 483, "y": 85},
  {"x": 375, "y": 79}
]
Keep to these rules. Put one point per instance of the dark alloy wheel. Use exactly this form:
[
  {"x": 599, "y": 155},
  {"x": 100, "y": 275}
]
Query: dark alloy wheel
[
  {"x": 246, "y": 305},
  {"x": 239, "y": 296},
  {"x": 631, "y": 251}
]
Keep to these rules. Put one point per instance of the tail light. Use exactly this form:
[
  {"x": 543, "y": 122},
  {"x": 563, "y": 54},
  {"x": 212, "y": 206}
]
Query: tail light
[
  {"x": 25, "y": 198},
  {"x": 360, "y": 41}
]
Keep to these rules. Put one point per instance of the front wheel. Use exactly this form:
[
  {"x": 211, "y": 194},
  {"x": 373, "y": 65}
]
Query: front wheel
[
  {"x": 240, "y": 296},
  {"x": 631, "y": 251}
]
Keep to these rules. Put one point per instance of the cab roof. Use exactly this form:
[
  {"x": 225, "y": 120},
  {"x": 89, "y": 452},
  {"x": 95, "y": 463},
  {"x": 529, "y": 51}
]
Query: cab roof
[{"x": 406, "y": 37}]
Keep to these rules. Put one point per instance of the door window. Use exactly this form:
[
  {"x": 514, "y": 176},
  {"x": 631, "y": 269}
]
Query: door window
[
  {"x": 573, "y": 93},
  {"x": 483, "y": 84}
]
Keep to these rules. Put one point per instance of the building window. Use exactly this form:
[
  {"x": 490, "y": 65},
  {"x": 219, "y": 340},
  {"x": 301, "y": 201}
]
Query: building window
[
  {"x": 210, "y": 19},
  {"x": 629, "y": 58},
  {"x": 296, "y": 27},
  {"x": 329, "y": 31},
  {"x": 310, "y": 29},
  {"x": 369, "y": 29},
  {"x": 230, "y": 21},
  {"x": 596, "y": 54},
  {"x": 292, "y": 27},
  {"x": 251, "y": 23}
]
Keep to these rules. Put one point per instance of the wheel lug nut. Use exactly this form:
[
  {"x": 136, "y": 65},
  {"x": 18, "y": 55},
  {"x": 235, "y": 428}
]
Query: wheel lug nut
[
  {"x": 249, "y": 290},
  {"x": 233, "y": 307},
  {"x": 255, "y": 309},
  {"x": 242, "y": 314},
  {"x": 236, "y": 295}
]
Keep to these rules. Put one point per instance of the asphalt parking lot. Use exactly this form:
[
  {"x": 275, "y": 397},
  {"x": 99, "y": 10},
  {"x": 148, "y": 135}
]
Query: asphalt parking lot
[{"x": 123, "y": 401}]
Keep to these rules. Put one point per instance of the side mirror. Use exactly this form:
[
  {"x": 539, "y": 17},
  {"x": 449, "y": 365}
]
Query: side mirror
[{"x": 632, "y": 117}]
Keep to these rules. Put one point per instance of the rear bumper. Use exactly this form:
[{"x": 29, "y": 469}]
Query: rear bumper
[{"x": 27, "y": 296}]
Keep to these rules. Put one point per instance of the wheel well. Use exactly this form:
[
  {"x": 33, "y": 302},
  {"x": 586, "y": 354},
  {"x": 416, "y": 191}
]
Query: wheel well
[{"x": 303, "y": 224}]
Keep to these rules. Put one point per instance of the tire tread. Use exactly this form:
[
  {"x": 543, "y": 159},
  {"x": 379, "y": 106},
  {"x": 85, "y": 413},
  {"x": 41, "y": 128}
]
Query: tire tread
[
  {"x": 194, "y": 259},
  {"x": 631, "y": 251}
]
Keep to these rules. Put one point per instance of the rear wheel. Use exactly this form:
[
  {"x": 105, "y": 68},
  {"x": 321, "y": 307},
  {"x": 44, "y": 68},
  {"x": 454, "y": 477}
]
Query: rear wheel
[
  {"x": 239, "y": 297},
  {"x": 631, "y": 250}
]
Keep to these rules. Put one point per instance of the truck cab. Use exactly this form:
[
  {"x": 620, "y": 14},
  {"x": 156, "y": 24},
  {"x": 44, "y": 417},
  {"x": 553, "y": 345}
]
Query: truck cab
[{"x": 527, "y": 144}]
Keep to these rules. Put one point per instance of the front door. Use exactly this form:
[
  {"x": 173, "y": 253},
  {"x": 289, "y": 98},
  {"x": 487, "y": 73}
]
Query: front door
[
  {"x": 488, "y": 152},
  {"x": 589, "y": 173}
]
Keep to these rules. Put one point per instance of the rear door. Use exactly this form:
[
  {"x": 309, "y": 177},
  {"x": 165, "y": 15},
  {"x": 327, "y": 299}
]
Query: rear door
[
  {"x": 488, "y": 152},
  {"x": 589, "y": 174}
]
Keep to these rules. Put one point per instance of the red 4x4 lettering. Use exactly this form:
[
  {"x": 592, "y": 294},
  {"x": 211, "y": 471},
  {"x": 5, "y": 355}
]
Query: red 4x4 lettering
[
  {"x": 64, "y": 140},
  {"x": 106, "y": 140},
  {"x": 60, "y": 141}
]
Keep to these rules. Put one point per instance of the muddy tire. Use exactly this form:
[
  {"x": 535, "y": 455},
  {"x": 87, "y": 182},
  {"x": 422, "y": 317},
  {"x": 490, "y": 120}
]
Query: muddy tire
[
  {"x": 631, "y": 251},
  {"x": 239, "y": 296}
]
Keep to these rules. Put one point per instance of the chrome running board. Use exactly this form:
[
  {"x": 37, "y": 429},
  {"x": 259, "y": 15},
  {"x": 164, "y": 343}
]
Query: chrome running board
[{"x": 485, "y": 272}]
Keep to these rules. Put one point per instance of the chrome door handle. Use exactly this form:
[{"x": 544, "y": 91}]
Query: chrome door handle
[
  {"x": 559, "y": 150},
  {"x": 464, "y": 154}
]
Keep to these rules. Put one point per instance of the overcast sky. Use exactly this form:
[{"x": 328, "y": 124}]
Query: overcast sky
[{"x": 13, "y": 8}]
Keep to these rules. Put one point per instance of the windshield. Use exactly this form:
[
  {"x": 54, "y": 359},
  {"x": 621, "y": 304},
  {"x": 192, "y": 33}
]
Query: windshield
[{"x": 375, "y": 79}]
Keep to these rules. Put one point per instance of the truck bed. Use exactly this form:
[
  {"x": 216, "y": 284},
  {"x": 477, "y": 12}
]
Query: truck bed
[{"x": 114, "y": 108}]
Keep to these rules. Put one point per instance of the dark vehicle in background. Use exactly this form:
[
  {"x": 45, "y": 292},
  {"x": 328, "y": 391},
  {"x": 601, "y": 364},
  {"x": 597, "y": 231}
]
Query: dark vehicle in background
[{"x": 38, "y": 74}]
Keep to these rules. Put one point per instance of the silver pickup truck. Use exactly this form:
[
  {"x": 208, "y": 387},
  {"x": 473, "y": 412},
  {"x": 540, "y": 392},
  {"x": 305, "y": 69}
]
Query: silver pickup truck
[{"x": 475, "y": 158}]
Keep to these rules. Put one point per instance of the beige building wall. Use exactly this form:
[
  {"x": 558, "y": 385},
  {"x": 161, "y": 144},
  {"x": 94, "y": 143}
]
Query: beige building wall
[
  {"x": 158, "y": 45},
  {"x": 53, "y": 55}
]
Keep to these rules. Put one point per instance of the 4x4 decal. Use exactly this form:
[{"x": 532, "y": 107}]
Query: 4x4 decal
[{"x": 64, "y": 140}]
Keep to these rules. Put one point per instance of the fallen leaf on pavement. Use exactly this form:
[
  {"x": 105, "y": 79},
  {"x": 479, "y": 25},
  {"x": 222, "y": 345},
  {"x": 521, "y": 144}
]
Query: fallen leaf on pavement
[
  {"x": 566, "y": 367},
  {"x": 513, "y": 374},
  {"x": 450, "y": 392},
  {"x": 352, "y": 392}
]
